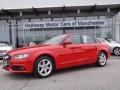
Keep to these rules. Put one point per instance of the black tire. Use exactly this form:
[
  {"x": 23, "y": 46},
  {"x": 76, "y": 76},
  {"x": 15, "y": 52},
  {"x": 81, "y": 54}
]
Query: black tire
[
  {"x": 102, "y": 59},
  {"x": 116, "y": 51},
  {"x": 39, "y": 68}
]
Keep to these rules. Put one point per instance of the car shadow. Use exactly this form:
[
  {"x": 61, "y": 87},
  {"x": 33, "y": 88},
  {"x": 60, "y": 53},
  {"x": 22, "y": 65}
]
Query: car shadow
[
  {"x": 74, "y": 69},
  {"x": 55, "y": 73},
  {"x": 18, "y": 76}
]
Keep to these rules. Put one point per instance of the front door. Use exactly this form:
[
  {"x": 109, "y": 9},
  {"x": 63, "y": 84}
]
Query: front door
[{"x": 71, "y": 54}]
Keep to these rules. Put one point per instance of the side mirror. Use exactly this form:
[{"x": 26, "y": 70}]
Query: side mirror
[{"x": 67, "y": 41}]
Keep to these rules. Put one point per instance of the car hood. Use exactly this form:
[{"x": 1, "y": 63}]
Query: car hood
[
  {"x": 27, "y": 49},
  {"x": 114, "y": 45}
]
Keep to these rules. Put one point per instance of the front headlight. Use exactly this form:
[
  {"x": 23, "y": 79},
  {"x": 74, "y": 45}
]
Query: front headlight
[{"x": 21, "y": 56}]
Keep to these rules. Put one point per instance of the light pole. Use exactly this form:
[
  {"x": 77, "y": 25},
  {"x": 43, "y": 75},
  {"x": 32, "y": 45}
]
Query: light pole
[{"x": 10, "y": 30}]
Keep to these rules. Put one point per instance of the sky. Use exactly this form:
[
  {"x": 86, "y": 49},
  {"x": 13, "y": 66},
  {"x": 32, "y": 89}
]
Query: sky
[{"x": 18, "y": 4}]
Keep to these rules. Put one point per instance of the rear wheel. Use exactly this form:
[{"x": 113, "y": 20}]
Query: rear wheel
[
  {"x": 43, "y": 67},
  {"x": 102, "y": 59},
  {"x": 116, "y": 51}
]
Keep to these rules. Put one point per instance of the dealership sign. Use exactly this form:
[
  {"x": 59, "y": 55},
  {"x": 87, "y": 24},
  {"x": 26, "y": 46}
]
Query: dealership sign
[{"x": 55, "y": 24}]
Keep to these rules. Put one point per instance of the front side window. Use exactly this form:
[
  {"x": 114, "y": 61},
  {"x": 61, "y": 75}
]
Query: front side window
[
  {"x": 75, "y": 39},
  {"x": 88, "y": 39},
  {"x": 54, "y": 40}
]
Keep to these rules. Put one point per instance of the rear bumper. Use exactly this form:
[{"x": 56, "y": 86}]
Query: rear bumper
[
  {"x": 108, "y": 56},
  {"x": 109, "y": 53}
]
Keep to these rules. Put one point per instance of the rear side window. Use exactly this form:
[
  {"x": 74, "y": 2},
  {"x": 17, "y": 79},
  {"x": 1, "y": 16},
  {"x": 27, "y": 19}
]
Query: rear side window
[{"x": 88, "y": 39}]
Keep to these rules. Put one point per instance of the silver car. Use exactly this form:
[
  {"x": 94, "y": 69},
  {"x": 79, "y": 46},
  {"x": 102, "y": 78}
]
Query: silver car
[
  {"x": 4, "y": 48},
  {"x": 114, "y": 45}
]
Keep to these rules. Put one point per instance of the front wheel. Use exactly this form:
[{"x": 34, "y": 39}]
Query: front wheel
[
  {"x": 116, "y": 51},
  {"x": 102, "y": 59},
  {"x": 43, "y": 67}
]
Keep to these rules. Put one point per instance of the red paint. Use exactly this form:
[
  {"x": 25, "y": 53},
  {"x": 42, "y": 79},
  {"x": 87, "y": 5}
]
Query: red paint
[{"x": 64, "y": 55}]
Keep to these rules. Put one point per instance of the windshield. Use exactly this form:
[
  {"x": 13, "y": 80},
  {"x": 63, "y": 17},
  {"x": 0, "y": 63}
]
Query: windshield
[
  {"x": 3, "y": 45},
  {"x": 54, "y": 40}
]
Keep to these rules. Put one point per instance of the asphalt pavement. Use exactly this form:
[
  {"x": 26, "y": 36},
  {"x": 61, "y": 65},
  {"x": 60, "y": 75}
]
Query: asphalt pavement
[{"x": 86, "y": 77}]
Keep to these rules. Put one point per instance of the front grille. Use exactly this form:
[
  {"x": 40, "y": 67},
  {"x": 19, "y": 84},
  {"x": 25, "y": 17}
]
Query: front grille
[
  {"x": 6, "y": 60},
  {"x": 3, "y": 51}
]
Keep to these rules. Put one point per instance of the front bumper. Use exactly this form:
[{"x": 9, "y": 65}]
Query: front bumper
[{"x": 18, "y": 66}]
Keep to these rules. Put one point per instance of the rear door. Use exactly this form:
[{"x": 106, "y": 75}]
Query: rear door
[{"x": 90, "y": 48}]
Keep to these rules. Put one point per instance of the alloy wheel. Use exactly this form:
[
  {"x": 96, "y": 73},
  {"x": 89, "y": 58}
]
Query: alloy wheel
[
  {"x": 102, "y": 59},
  {"x": 117, "y": 51},
  {"x": 44, "y": 67}
]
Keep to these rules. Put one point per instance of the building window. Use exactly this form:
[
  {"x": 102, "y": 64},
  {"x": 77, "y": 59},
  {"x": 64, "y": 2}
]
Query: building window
[
  {"x": 69, "y": 18},
  {"x": 46, "y": 19},
  {"x": 57, "y": 19}
]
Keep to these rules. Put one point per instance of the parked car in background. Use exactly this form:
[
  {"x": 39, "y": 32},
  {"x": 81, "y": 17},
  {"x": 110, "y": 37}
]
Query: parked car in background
[
  {"x": 114, "y": 45},
  {"x": 58, "y": 52},
  {"x": 4, "y": 48}
]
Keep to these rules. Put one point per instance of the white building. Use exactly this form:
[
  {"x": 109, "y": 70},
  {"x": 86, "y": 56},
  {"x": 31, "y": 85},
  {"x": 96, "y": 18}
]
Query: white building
[{"x": 18, "y": 26}]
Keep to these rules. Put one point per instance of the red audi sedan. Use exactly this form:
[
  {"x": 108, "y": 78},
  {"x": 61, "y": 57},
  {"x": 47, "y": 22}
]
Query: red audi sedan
[{"x": 58, "y": 52}]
